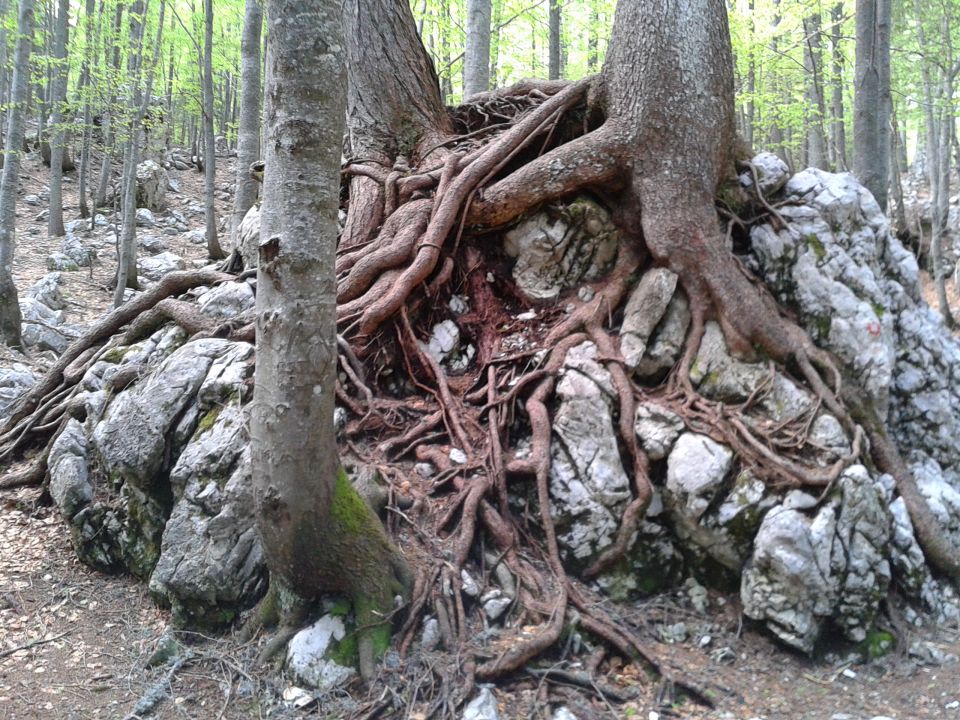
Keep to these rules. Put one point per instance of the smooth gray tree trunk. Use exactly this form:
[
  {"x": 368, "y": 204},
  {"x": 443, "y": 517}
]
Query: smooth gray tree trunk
[
  {"x": 838, "y": 131},
  {"x": 871, "y": 99},
  {"x": 813, "y": 94},
  {"x": 58, "y": 96},
  {"x": 476, "y": 59},
  {"x": 127, "y": 261},
  {"x": 93, "y": 26},
  {"x": 248, "y": 135},
  {"x": 555, "y": 51},
  {"x": 209, "y": 155},
  {"x": 10, "y": 179}
]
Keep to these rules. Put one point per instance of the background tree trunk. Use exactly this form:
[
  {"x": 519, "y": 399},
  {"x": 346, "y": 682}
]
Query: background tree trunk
[
  {"x": 58, "y": 97},
  {"x": 871, "y": 100},
  {"x": 10, "y": 179},
  {"x": 92, "y": 23},
  {"x": 554, "y": 70},
  {"x": 248, "y": 135},
  {"x": 209, "y": 154},
  {"x": 476, "y": 59},
  {"x": 813, "y": 61}
]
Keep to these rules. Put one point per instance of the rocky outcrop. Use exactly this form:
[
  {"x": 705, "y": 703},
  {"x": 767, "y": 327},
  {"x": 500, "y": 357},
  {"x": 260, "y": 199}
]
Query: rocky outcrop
[
  {"x": 151, "y": 186},
  {"x": 559, "y": 248}
]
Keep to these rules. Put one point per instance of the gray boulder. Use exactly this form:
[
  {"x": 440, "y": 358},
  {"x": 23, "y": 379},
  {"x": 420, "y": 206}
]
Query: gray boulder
[
  {"x": 832, "y": 566},
  {"x": 59, "y": 262},
  {"x": 211, "y": 561},
  {"x": 154, "y": 268},
  {"x": 588, "y": 485},
  {"x": 248, "y": 234},
  {"x": 561, "y": 247},
  {"x": 151, "y": 186},
  {"x": 76, "y": 251},
  {"x": 145, "y": 218},
  {"x": 772, "y": 173},
  {"x": 644, "y": 310},
  {"x": 309, "y": 651},
  {"x": 14, "y": 382},
  {"x": 227, "y": 300},
  {"x": 47, "y": 291},
  {"x": 70, "y": 485}
]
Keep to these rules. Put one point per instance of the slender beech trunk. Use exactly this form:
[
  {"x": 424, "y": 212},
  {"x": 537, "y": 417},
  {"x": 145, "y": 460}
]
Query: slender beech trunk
[
  {"x": 871, "y": 99},
  {"x": 555, "y": 51},
  {"x": 209, "y": 154},
  {"x": 107, "y": 128},
  {"x": 813, "y": 60},
  {"x": 91, "y": 37},
  {"x": 58, "y": 97},
  {"x": 10, "y": 178},
  {"x": 127, "y": 262},
  {"x": 248, "y": 136},
  {"x": 476, "y": 59},
  {"x": 838, "y": 132},
  {"x": 318, "y": 535}
]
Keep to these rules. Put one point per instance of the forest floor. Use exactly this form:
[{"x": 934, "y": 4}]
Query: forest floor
[{"x": 77, "y": 644}]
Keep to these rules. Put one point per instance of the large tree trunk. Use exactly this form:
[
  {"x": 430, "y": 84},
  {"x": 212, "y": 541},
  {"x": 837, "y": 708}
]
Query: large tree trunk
[
  {"x": 248, "y": 135},
  {"x": 318, "y": 535},
  {"x": 476, "y": 58},
  {"x": 9, "y": 306},
  {"x": 871, "y": 99},
  {"x": 394, "y": 107}
]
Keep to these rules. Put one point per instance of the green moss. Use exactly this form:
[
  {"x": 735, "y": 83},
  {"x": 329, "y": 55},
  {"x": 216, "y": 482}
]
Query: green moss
[
  {"x": 818, "y": 249},
  {"x": 823, "y": 323},
  {"x": 116, "y": 355},
  {"x": 879, "y": 310},
  {"x": 877, "y": 644},
  {"x": 207, "y": 421},
  {"x": 345, "y": 652},
  {"x": 347, "y": 509}
]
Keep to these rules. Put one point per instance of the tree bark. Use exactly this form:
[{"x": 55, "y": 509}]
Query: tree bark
[
  {"x": 92, "y": 34},
  {"x": 476, "y": 58},
  {"x": 209, "y": 155},
  {"x": 318, "y": 535},
  {"x": 58, "y": 97},
  {"x": 871, "y": 99},
  {"x": 554, "y": 70},
  {"x": 813, "y": 62},
  {"x": 248, "y": 135},
  {"x": 838, "y": 132},
  {"x": 10, "y": 179}
]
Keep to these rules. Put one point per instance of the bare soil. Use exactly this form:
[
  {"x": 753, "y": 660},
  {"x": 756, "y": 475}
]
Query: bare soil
[{"x": 77, "y": 644}]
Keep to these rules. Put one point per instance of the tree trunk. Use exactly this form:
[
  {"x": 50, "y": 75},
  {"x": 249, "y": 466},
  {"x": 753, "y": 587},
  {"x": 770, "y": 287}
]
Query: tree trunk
[
  {"x": 555, "y": 50},
  {"x": 838, "y": 132},
  {"x": 394, "y": 107},
  {"x": 92, "y": 21},
  {"x": 871, "y": 99},
  {"x": 209, "y": 155},
  {"x": 813, "y": 62},
  {"x": 248, "y": 135},
  {"x": 58, "y": 97},
  {"x": 318, "y": 535},
  {"x": 10, "y": 179},
  {"x": 476, "y": 59},
  {"x": 140, "y": 101},
  {"x": 107, "y": 128}
]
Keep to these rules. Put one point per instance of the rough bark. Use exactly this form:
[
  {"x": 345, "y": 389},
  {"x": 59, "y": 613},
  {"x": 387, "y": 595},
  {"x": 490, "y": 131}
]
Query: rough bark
[
  {"x": 248, "y": 135},
  {"x": 9, "y": 306},
  {"x": 476, "y": 58},
  {"x": 394, "y": 105},
  {"x": 58, "y": 96},
  {"x": 871, "y": 99},
  {"x": 318, "y": 535}
]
